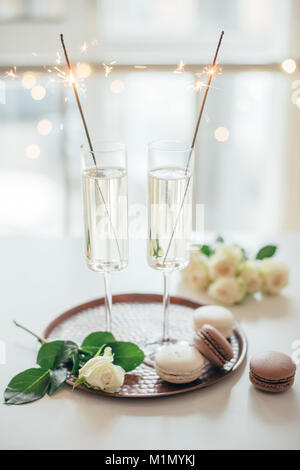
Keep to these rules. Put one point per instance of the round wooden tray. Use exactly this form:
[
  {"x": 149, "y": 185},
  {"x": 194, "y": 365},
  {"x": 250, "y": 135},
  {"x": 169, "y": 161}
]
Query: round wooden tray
[{"x": 138, "y": 318}]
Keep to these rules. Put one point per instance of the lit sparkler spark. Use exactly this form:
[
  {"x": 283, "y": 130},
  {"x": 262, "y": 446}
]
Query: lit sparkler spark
[
  {"x": 12, "y": 73},
  {"x": 212, "y": 70},
  {"x": 140, "y": 66},
  {"x": 70, "y": 78},
  {"x": 58, "y": 74},
  {"x": 206, "y": 117},
  {"x": 209, "y": 71},
  {"x": 84, "y": 47},
  {"x": 198, "y": 85},
  {"x": 108, "y": 68},
  {"x": 180, "y": 67}
]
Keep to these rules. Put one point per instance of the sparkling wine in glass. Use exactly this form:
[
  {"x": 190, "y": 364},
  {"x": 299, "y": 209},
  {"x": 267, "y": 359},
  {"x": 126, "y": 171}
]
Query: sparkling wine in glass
[
  {"x": 104, "y": 181},
  {"x": 169, "y": 217}
]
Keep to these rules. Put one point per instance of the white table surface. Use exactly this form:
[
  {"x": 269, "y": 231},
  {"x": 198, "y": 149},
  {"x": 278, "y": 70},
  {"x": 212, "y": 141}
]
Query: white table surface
[{"x": 40, "y": 278}]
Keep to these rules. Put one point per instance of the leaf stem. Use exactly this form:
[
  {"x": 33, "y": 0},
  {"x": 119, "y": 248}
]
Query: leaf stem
[{"x": 39, "y": 338}]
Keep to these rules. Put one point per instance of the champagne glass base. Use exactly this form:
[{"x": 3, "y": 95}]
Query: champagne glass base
[{"x": 153, "y": 347}]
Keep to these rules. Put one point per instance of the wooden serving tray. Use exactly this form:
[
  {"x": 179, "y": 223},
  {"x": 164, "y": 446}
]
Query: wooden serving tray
[{"x": 138, "y": 318}]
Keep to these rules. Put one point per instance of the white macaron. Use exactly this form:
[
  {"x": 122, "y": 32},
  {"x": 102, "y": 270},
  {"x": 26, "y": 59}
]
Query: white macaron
[
  {"x": 178, "y": 363},
  {"x": 215, "y": 315}
]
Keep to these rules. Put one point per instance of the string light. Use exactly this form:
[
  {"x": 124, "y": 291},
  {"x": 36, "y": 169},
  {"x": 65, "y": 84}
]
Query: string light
[
  {"x": 33, "y": 151},
  {"x": 83, "y": 69},
  {"x": 222, "y": 134},
  {"x": 28, "y": 80},
  {"x": 289, "y": 65},
  {"x": 38, "y": 92},
  {"x": 117, "y": 86},
  {"x": 44, "y": 127}
]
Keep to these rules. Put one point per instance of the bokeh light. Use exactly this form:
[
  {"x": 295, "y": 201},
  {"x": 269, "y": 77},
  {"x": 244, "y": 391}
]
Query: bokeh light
[
  {"x": 44, "y": 127},
  {"x": 222, "y": 134},
  {"x": 38, "y": 92},
  {"x": 83, "y": 70},
  {"x": 289, "y": 65},
  {"x": 117, "y": 86},
  {"x": 33, "y": 151},
  {"x": 28, "y": 80}
]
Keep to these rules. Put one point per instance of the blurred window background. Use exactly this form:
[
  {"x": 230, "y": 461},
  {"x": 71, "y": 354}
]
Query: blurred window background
[{"x": 127, "y": 57}]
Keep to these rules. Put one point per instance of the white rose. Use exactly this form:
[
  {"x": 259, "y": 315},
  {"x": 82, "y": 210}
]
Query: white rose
[
  {"x": 227, "y": 290},
  {"x": 275, "y": 276},
  {"x": 225, "y": 261},
  {"x": 101, "y": 373},
  {"x": 249, "y": 272},
  {"x": 196, "y": 273}
]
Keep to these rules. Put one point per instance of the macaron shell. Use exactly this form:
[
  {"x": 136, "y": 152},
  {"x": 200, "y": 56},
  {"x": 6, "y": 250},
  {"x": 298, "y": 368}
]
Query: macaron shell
[
  {"x": 179, "y": 358},
  {"x": 208, "y": 351},
  {"x": 219, "y": 317},
  {"x": 179, "y": 363},
  {"x": 178, "y": 379},
  {"x": 272, "y": 387},
  {"x": 272, "y": 371},
  {"x": 272, "y": 365},
  {"x": 214, "y": 347}
]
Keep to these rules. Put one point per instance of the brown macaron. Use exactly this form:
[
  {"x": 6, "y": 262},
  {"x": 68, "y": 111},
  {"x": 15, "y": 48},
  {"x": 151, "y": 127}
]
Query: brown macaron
[
  {"x": 213, "y": 346},
  {"x": 272, "y": 371}
]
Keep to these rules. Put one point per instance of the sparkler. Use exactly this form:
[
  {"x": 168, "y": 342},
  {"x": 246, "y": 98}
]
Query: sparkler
[
  {"x": 73, "y": 82},
  {"x": 210, "y": 71}
]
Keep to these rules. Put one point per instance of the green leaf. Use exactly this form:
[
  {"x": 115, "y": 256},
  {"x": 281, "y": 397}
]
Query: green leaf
[
  {"x": 127, "y": 355},
  {"x": 93, "y": 342},
  {"x": 28, "y": 386},
  {"x": 206, "y": 250},
  {"x": 219, "y": 239},
  {"x": 79, "y": 381},
  {"x": 52, "y": 355},
  {"x": 57, "y": 379},
  {"x": 76, "y": 361},
  {"x": 266, "y": 252},
  {"x": 245, "y": 254}
]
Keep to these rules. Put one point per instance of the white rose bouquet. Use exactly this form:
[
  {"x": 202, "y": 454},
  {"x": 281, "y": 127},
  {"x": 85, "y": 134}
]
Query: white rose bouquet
[{"x": 229, "y": 275}]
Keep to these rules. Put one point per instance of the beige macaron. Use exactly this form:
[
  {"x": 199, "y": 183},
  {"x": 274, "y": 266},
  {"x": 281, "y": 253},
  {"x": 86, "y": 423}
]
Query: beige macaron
[
  {"x": 215, "y": 315},
  {"x": 178, "y": 363}
]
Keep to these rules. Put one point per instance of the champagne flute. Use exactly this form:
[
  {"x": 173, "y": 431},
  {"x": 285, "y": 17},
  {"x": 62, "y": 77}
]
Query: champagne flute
[
  {"x": 104, "y": 181},
  {"x": 169, "y": 218}
]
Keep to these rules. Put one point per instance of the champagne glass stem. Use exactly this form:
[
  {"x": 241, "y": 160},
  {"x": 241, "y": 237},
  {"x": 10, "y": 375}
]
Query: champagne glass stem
[
  {"x": 166, "y": 304},
  {"x": 108, "y": 300}
]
